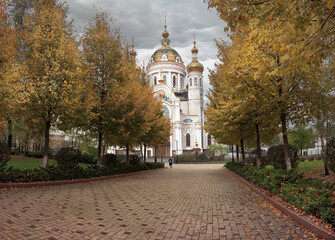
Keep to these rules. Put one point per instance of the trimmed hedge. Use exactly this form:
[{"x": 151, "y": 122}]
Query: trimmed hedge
[
  {"x": 313, "y": 196},
  {"x": 187, "y": 157},
  {"x": 276, "y": 156},
  {"x": 70, "y": 171}
]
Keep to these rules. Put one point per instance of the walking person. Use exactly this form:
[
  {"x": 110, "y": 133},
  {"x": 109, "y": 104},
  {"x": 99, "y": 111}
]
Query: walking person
[{"x": 170, "y": 163}]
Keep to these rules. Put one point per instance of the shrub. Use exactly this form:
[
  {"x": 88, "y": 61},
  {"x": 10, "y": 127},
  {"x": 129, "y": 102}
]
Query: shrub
[
  {"x": 301, "y": 158},
  {"x": 253, "y": 158},
  {"x": 276, "y": 156},
  {"x": 309, "y": 158},
  {"x": 68, "y": 172},
  {"x": 4, "y": 158},
  {"x": 88, "y": 159},
  {"x": 201, "y": 157},
  {"x": 134, "y": 159},
  {"x": 185, "y": 157},
  {"x": 68, "y": 156},
  {"x": 109, "y": 160},
  {"x": 317, "y": 157},
  {"x": 330, "y": 153},
  {"x": 312, "y": 196},
  {"x": 34, "y": 154}
]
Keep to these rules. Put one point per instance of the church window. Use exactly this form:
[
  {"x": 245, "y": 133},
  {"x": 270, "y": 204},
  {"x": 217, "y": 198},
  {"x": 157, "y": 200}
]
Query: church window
[
  {"x": 188, "y": 140},
  {"x": 209, "y": 139},
  {"x": 190, "y": 82},
  {"x": 164, "y": 78},
  {"x": 151, "y": 60},
  {"x": 164, "y": 58},
  {"x": 195, "y": 82},
  {"x": 167, "y": 112},
  {"x": 174, "y": 81},
  {"x": 200, "y": 82},
  {"x": 177, "y": 59},
  {"x": 181, "y": 82},
  {"x": 155, "y": 80}
]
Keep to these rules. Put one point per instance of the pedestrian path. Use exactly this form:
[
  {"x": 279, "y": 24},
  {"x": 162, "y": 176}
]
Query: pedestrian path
[{"x": 198, "y": 201}]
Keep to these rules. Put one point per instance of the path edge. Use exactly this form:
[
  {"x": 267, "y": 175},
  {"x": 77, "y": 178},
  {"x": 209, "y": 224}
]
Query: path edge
[
  {"x": 73, "y": 181},
  {"x": 302, "y": 220}
]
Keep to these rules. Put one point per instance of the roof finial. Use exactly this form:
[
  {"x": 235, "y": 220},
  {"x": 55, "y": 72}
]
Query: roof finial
[
  {"x": 194, "y": 39},
  {"x": 165, "y": 34}
]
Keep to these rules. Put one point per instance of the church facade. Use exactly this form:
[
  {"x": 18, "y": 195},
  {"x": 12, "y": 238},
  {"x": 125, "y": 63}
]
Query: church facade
[{"x": 181, "y": 90}]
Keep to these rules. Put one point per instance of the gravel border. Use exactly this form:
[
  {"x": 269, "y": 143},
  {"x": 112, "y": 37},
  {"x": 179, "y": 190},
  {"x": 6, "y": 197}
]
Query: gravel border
[{"x": 305, "y": 221}]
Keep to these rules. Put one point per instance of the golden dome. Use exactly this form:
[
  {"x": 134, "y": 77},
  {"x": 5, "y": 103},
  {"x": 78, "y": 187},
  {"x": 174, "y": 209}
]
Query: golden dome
[
  {"x": 166, "y": 54},
  {"x": 195, "y": 66}
]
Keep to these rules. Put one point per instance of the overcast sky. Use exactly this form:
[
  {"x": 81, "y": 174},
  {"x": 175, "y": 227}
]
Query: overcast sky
[{"x": 144, "y": 20}]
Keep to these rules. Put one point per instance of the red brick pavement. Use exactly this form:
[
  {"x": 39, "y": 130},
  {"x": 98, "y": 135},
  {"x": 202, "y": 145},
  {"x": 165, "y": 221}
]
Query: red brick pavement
[{"x": 185, "y": 202}]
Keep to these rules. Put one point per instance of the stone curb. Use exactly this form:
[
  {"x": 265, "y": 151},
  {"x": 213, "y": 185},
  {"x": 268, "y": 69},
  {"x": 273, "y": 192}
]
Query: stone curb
[
  {"x": 302, "y": 220},
  {"x": 65, "y": 182}
]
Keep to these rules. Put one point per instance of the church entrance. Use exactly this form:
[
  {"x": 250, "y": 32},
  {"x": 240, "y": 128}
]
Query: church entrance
[{"x": 163, "y": 150}]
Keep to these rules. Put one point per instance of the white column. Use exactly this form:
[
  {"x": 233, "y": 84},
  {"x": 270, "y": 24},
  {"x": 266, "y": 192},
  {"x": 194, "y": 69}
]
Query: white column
[
  {"x": 170, "y": 80},
  {"x": 171, "y": 145},
  {"x": 198, "y": 134},
  {"x": 178, "y": 139}
]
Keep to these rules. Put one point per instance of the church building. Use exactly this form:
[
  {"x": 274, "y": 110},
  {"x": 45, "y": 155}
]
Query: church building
[{"x": 181, "y": 90}]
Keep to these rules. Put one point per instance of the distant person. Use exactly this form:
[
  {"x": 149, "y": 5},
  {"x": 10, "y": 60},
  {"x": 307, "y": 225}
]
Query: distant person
[{"x": 170, "y": 163}]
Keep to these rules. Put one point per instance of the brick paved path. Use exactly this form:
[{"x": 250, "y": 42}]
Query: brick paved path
[{"x": 186, "y": 202}]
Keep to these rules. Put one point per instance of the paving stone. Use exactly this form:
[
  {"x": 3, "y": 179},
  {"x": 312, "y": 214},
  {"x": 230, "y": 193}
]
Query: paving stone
[{"x": 185, "y": 202}]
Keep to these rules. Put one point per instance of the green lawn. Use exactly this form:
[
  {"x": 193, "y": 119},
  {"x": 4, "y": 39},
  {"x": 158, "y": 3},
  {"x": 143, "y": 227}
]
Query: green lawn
[
  {"x": 309, "y": 169},
  {"x": 31, "y": 163}
]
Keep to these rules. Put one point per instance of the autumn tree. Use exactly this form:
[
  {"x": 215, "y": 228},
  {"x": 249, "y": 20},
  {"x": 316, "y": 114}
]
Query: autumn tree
[
  {"x": 284, "y": 44},
  {"x": 52, "y": 79},
  {"x": 8, "y": 71},
  {"x": 102, "y": 53}
]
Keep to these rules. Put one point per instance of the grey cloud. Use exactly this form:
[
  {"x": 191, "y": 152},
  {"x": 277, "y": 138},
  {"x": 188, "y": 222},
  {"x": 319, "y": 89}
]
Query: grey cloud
[{"x": 144, "y": 20}]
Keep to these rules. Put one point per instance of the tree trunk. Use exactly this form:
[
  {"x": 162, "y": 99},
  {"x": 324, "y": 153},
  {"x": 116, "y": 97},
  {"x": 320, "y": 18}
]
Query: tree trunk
[
  {"x": 25, "y": 145},
  {"x": 10, "y": 137},
  {"x": 141, "y": 150},
  {"x": 145, "y": 153},
  {"x": 46, "y": 143},
  {"x": 232, "y": 153},
  {"x": 127, "y": 154},
  {"x": 242, "y": 150},
  {"x": 285, "y": 140},
  {"x": 156, "y": 154},
  {"x": 258, "y": 149},
  {"x": 237, "y": 154},
  {"x": 324, "y": 158},
  {"x": 99, "y": 148}
]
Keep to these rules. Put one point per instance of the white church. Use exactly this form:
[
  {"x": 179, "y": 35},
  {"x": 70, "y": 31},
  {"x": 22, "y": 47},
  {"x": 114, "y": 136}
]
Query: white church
[{"x": 181, "y": 90}]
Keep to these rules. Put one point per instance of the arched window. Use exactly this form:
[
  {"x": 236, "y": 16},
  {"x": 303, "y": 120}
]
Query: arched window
[
  {"x": 209, "y": 139},
  {"x": 174, "y": 81},
  {"x": 151, "y": 60},
  {"x": 195, "y": 81},
  {"x": 182, "y": 82},
  {"x": 177, "y": 59},
  {"x": 155, "y": 80},
  {"x": 164, "y": 78},
  {"x": 167, "y": 112},
  {"x": 200, "y": 82},
  {"x": 188, "y": 140},
  {"x": 164, "y": 58},
  {"x": 190, "y": 82}
]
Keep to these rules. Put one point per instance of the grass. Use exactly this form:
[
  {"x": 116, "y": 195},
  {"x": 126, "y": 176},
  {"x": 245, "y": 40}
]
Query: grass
[
  {"x": 22, "y": 162},
  {"x": 312, "y": 168}
]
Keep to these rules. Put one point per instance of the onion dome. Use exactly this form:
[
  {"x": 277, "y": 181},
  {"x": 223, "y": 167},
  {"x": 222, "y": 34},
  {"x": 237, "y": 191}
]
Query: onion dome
[
  {"x": 132, "y": 52},
  {"x": 195, "y": 65},
  {"x": 165, "y": 53}
]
